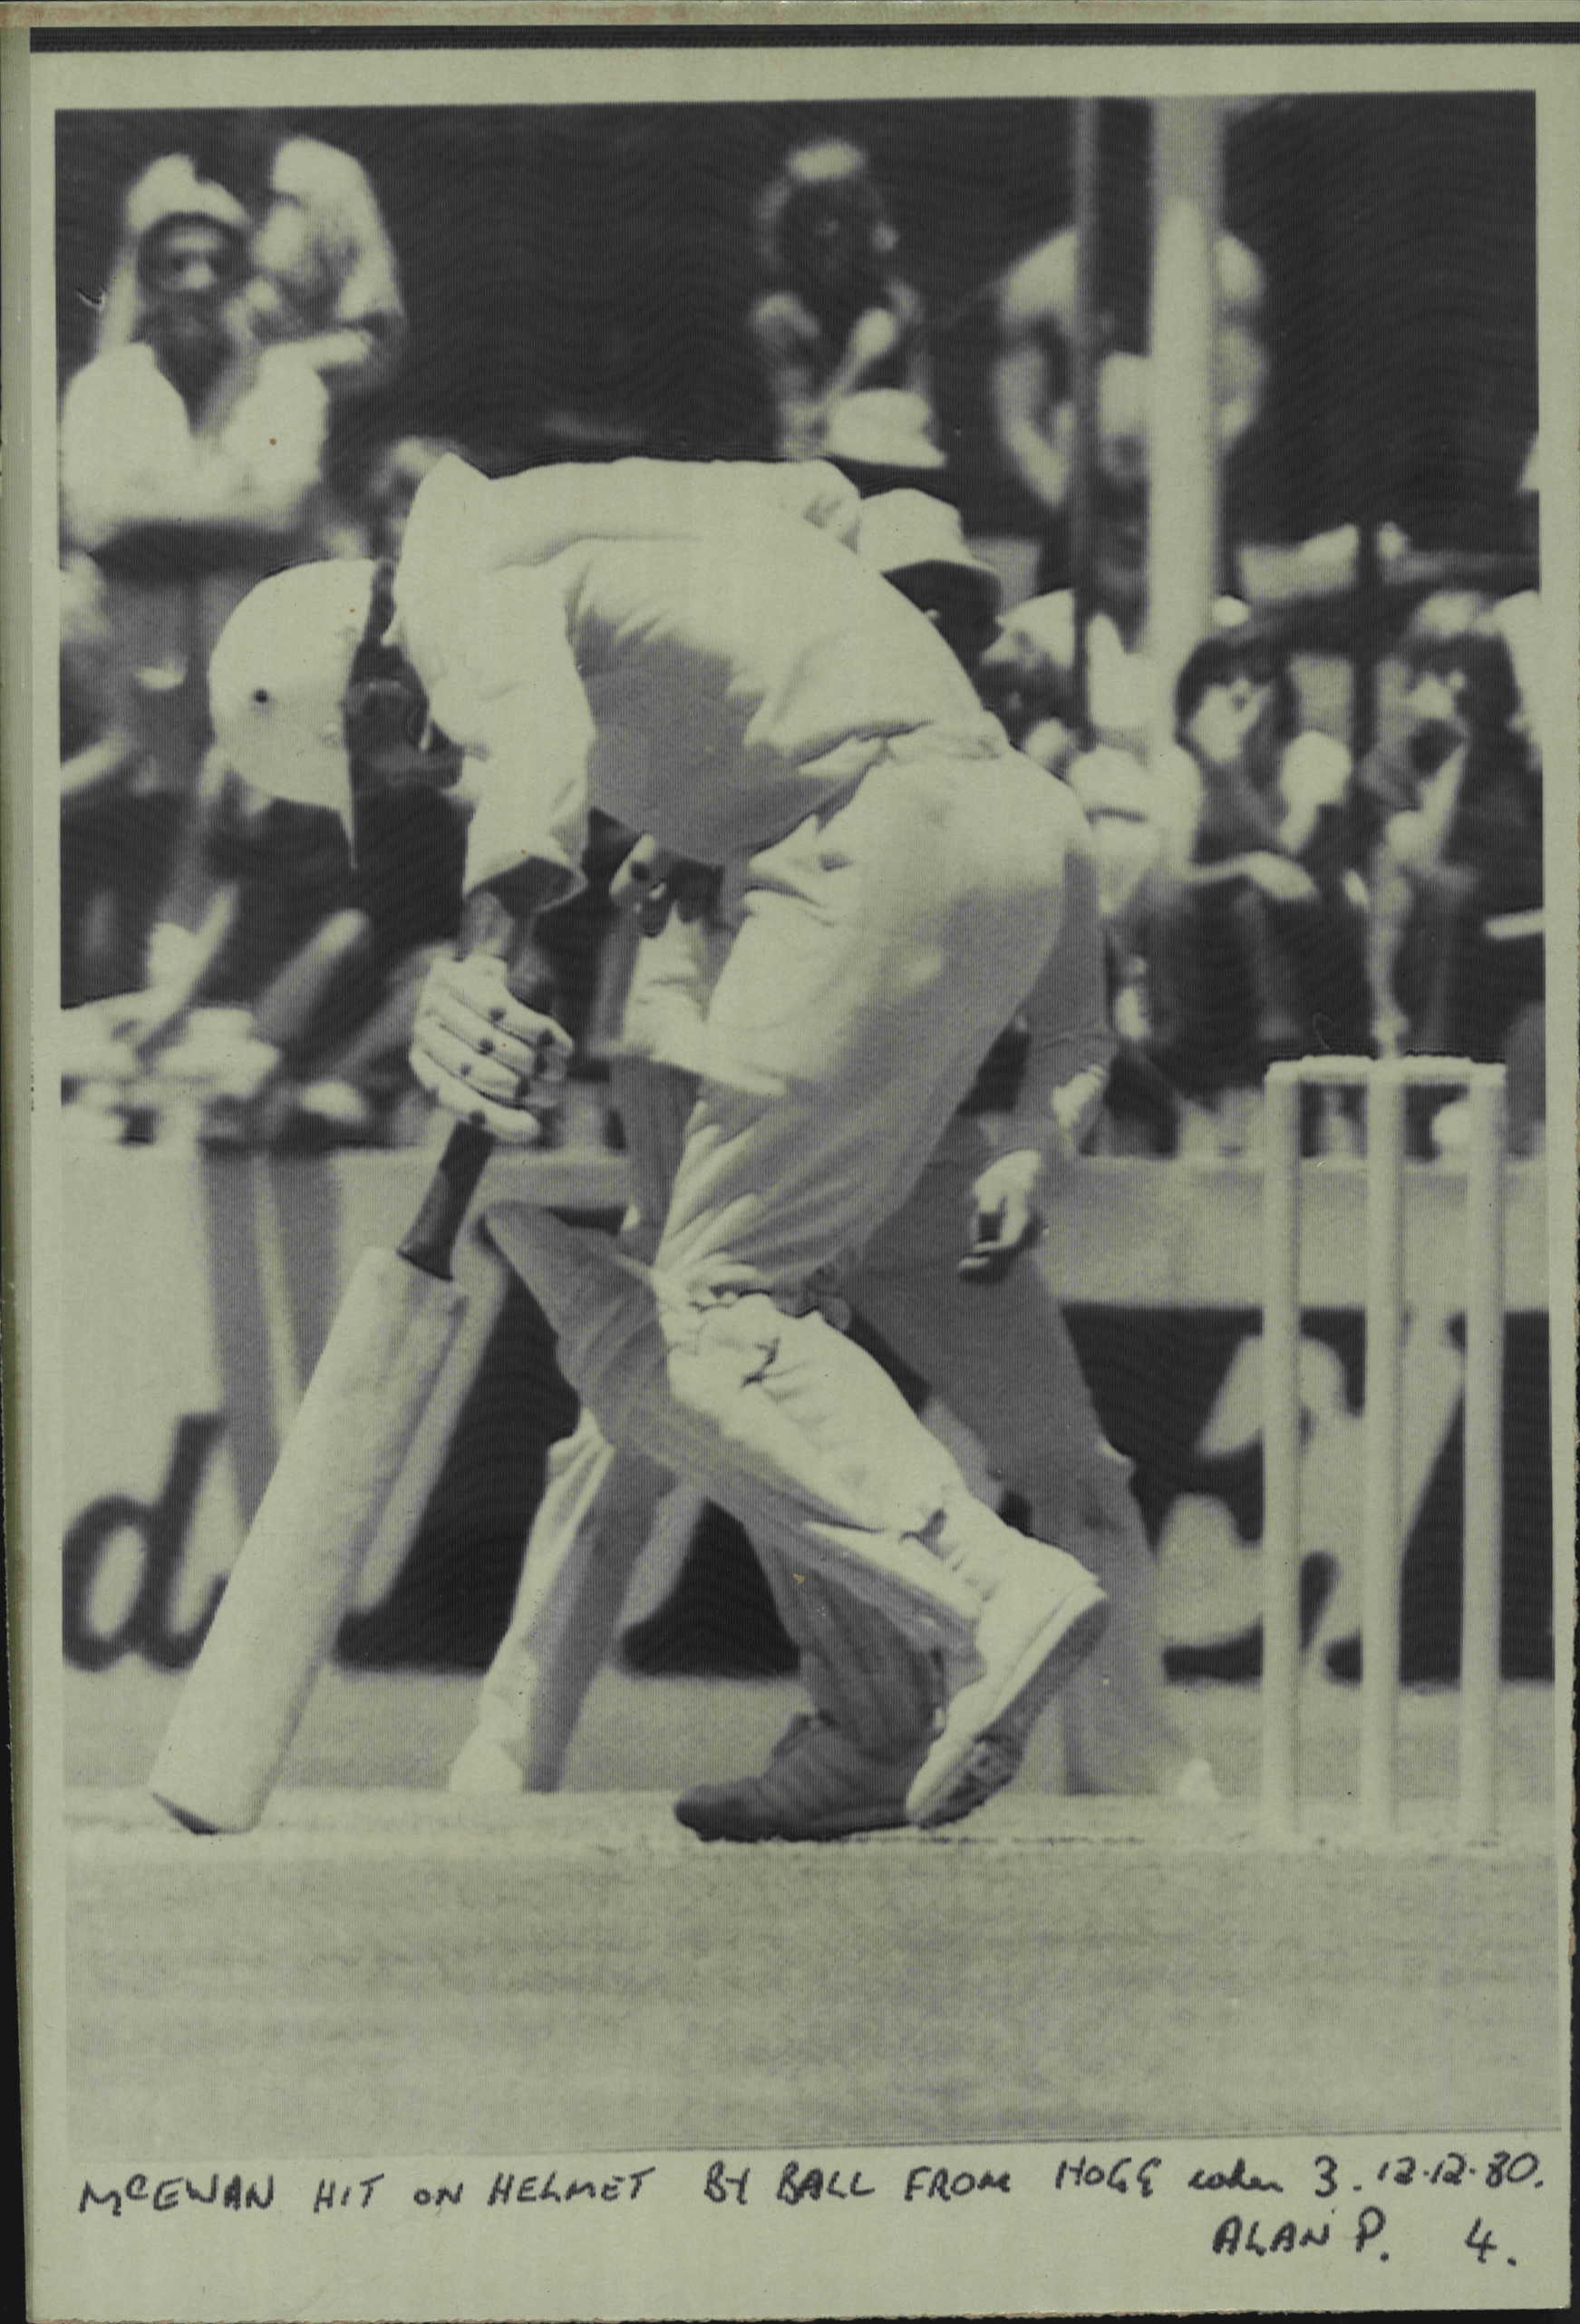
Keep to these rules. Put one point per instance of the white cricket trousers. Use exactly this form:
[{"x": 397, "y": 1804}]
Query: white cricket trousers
[
  {"x": 1001, "y": 1358},
  {"x": 881, "y": 947}
]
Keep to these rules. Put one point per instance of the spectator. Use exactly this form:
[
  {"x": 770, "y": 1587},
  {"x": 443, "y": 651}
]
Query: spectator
[
  {"x": 191, "y": 457},
  {"x": 1031, "y": 386},
  {"x": 1456, "y": 951},
  {"x": 1254, "y": 916},
  {"x": 1031, "y": 672},
  {"x": 1140, "y": 812},
  {"x": 320, "y": 275},
  {"x": 1519, "y": 617},
  {"x": 193, "y": 422},
  {"x": 840, "y": 333}
]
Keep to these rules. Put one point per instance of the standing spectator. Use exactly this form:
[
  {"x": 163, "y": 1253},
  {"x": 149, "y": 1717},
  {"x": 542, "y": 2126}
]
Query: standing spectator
[
  {"x": 1031, "y": 386},
  {"x": 1031, "y": 671},
  {"x": 320, "y": 275},
  {"x": 1140, "y": 811},
  {"x": 191, "y": 457},
  {"x": 838, "y": 331},
  {"x": 324, "y": 276},
  {"x": 194, "y": 420}
]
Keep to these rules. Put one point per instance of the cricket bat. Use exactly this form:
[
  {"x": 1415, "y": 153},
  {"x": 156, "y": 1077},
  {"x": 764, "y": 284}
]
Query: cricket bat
[{"x": 331, "y": 1485}]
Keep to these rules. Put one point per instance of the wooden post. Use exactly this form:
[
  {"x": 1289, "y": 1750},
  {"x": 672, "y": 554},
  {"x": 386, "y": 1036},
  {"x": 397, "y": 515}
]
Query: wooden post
[
  {"x": 1381, "y": 1430},
  {"x": 1183, "y": 560},
  {"x": 1085, "y": 359},
  {"x": 1367, "y": 641},
  {"x": 1281, "y": 1454},
  {"x": 1480, "y": 1649}
]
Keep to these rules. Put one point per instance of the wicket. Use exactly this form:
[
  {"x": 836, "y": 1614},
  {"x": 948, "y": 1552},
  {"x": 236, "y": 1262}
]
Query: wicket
[{"x": 1385, "y": 1084}]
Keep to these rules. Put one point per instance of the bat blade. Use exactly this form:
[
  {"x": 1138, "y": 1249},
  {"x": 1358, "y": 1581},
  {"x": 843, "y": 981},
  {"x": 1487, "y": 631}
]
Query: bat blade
[{"x": 284, "y": 1602}]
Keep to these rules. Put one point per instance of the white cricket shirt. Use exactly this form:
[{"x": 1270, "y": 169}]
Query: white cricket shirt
[{"x": 690, "y": 647}]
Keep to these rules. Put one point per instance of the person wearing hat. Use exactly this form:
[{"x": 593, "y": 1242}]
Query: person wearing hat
[
  {"x": 838, "y": 332},
  {"x": 941, "y": 1284},
  {"x": 190, "y": 460},
  {"x": 320, "y": 275},
  {"x": 183, "y": 424},
  {"x": 685, "y": 647}
]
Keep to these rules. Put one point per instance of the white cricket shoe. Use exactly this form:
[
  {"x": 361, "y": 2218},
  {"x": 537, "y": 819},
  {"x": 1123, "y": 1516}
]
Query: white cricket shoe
[{"x": 1042, "y": 1616}]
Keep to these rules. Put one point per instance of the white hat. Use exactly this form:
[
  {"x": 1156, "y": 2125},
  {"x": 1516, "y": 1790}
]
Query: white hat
[
  {"x": 883, "y": 427},
  {"x": 171, "y": 188},
  {"x": 899, "y": 529},
  {"x": 278, "y": 681}
]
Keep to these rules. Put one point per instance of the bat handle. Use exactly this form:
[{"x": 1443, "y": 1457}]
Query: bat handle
[
  {"x": 500, "y": 921},
  {"x": 431, "y": 1243}
]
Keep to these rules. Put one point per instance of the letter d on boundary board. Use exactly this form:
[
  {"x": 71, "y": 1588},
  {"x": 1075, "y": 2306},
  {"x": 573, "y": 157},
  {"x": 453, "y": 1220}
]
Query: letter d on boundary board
[{"x": 162, "y": 1524}]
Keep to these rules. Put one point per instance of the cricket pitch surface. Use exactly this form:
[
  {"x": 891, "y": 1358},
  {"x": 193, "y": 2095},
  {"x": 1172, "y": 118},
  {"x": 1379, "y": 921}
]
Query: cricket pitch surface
[{"x": 381, "y": 1970}]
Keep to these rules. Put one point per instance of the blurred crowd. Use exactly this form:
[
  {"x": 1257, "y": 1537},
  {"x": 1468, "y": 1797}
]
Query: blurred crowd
[{"x": 241, "y": 971}]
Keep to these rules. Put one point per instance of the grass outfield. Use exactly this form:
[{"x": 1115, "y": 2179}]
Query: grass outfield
[{"x": 383, "y": 1970}]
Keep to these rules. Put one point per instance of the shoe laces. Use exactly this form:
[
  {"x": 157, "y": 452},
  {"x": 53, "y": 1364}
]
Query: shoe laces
[{"x": 966, "y": 1541}]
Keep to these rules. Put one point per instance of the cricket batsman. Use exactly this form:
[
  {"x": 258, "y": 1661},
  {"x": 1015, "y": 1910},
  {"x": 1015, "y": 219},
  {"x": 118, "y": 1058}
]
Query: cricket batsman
[
  {"x": 680, "y": 647},
  {"x": 1002, "y": 1357}
]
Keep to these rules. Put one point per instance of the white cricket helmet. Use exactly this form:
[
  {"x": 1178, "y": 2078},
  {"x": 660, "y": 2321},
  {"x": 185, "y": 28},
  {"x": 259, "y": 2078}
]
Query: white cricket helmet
[{"x": 278, "y": 681}]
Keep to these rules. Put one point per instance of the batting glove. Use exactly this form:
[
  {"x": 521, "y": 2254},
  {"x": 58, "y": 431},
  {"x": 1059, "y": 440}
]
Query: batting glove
[{"x": 483, "y": 1054}]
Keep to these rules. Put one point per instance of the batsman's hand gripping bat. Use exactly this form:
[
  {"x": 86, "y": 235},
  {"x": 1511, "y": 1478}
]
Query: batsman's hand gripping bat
[{"x": 284, "y": 1602}]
